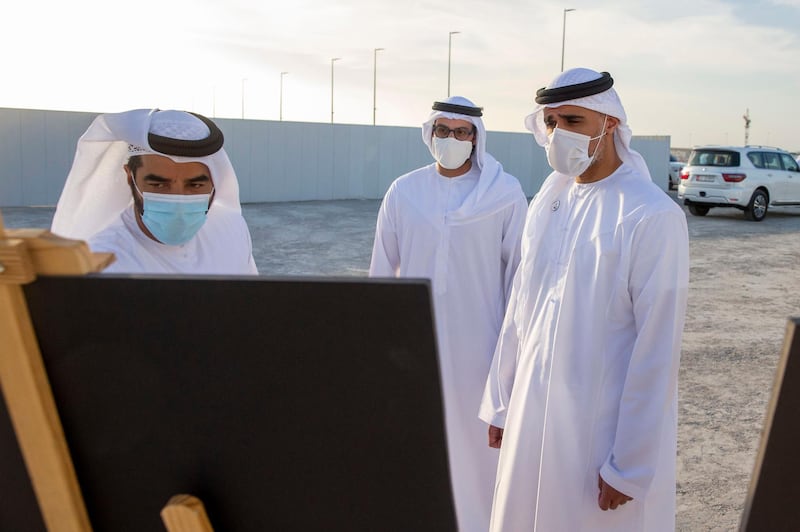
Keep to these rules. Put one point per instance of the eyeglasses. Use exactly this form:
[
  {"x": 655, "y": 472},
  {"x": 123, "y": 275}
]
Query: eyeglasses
[{"x": 461, "y": 133}]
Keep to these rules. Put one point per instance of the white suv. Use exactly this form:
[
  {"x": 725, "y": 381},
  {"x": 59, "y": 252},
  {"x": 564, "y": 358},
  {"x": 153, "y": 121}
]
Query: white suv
[{"x": 750, "y": 178}]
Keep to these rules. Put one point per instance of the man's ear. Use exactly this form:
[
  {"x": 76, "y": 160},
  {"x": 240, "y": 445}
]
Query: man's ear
[
  {"x": 611, "y": 123},
  {"x": 128, "y": 173}
]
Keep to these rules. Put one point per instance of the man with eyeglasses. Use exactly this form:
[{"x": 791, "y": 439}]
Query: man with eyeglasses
[
  {"x": 157, "y": 189},
  {"x": 458, "y": 222}
]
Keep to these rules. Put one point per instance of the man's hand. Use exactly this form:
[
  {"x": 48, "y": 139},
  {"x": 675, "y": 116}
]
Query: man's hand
[
  {"x": 609, "y": 497},
  {"x": 495, "y": 437}
]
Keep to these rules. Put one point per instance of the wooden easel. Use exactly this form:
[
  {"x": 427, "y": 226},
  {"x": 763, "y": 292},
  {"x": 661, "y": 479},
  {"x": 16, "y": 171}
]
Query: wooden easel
[{"x": 24, "y": 254}]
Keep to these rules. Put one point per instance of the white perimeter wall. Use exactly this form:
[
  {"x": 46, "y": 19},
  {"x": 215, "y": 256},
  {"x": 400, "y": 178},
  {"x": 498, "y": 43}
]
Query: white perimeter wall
[{"x": 274, "y": 161}]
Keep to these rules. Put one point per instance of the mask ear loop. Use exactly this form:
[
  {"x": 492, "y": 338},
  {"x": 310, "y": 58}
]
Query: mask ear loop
[
  {"x": 136, "y": 188},
  {"x": 133, "y": 181},
  {"x": 600, "y": 136},
  {"x": 211, "y": 196}
]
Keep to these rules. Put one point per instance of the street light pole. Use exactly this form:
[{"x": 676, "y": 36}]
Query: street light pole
[
  {"x": 449, "y": 54},
  {"x": 375, "y": 82},
  {"x": 243, "y": 80},
  {"x": 280, "y": 105},
  {"x": 333, "y": 60},
  {"x": 564, "y": 35}
]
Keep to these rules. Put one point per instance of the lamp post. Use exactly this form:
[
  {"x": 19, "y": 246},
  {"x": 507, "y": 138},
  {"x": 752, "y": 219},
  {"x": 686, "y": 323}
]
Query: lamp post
[
  {"x": 280, "y": 104},
  {"x": 375, "y": 82},
  {"x": 333, "y": 60},
  {"x": 243, "y": 80},
  {"x": 449, "y": 54},
  {"x": 564, "y": 35}
]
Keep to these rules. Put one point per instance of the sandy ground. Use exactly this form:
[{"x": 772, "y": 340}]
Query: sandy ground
[{"x": 743, "y": 287}]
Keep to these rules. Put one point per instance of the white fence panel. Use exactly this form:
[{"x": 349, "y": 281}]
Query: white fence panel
[{"x": 274, "y": 161}]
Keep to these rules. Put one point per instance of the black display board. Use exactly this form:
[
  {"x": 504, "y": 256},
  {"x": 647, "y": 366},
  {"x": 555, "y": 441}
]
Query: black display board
[
  {"x": 773, "y": 500},
  {"x": 282, "y": 404}
]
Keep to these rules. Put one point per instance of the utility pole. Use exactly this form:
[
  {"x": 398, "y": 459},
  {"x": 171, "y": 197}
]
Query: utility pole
[
  {"x": 280, "y": 100},
  {"x": 449, "y": 54},
  {"x": 564, "y": 35},
  {"x": 243, "y": 80},
  {"x": 333, "y": 60},
  {"x": 375, "y": 82}
]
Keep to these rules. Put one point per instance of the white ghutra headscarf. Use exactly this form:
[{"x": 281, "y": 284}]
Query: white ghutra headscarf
[
  {"x": 96, "y": 190},
  {"x": 474, "y": 117},
  {"x": 495, "y": 189}
]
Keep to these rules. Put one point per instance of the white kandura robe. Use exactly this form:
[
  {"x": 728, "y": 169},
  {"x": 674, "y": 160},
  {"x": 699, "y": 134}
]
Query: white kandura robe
[
  {"x": 222, "y": 246},
  {"x": 465, "y": 238},
  {"x": 584, "y": 378}
]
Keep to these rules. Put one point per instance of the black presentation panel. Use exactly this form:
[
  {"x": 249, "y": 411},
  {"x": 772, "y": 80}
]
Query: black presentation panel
[
  {"x": 773, "y": 500},
  {"x": 282, "y": 404}
]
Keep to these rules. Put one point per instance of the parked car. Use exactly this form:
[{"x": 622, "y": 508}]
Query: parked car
[
  {"x": 749, "y": 178},
  {"x": 675, "y": 167}
]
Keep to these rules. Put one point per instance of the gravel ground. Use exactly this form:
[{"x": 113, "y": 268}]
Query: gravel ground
[{"x": 743, "y": 287}]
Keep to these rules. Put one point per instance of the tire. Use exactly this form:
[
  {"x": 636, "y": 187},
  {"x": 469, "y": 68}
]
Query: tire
[
  {"x": 757, "y": 208},
  {"x": 698, "y": 210},
  {"x": 671, "y": 186}
]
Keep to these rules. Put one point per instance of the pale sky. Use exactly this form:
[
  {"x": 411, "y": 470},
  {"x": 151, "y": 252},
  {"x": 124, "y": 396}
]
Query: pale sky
[{"x": 684, "y": 68}]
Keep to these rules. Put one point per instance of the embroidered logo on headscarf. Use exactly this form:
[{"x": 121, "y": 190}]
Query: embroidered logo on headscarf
[
  {"x": 556, "y": 204},
  {"x": 133, "y": 149}
]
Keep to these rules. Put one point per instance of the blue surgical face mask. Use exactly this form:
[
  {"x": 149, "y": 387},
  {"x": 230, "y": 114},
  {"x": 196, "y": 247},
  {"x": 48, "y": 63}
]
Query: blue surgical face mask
[{"x": 174, "y": 218}]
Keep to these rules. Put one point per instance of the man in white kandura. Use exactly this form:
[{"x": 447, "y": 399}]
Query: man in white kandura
[
  {"x": 458, "y": 222},
  {"x": 582, "y": 395},
  {"x": 157, "y": 189}
]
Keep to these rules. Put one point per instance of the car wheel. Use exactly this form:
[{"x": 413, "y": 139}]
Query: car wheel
[
  {"x": 672, "y": 185},
  {"x": 757, "y": 208},
  {"x": 698, "y": 210}
]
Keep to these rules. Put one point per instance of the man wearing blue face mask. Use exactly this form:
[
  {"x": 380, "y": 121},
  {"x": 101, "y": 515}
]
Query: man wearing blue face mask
[
  {"x": 156, "y": 189},
  {"x": 176, "y": 197},
  {"x": 582, "y": 395}
]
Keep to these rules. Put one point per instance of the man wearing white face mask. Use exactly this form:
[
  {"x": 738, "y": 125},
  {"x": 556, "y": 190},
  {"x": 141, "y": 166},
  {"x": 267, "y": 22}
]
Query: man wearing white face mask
[
  {"x": 457, "y": 222},
  {"x": 156, "y": 189},
  {"x": 582, "y": 394}
]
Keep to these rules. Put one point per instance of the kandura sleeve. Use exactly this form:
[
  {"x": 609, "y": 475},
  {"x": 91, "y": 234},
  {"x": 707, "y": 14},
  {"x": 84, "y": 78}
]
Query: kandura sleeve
[
  {"x": 497, "y": 393},
  {"x": 250, "y": 267},
  {"x": 512, "y": 233},
  {"x": 658, "y": 284},
  {"x": 385, "y": 260}
]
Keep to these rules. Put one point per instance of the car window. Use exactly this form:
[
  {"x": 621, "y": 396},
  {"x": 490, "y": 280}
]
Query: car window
[
  {"x": 789, "y": 163},
  {"x": 772, "y": 161},
  {"x": 756, "y": 158},
  {"x": 714, "y": 158}
]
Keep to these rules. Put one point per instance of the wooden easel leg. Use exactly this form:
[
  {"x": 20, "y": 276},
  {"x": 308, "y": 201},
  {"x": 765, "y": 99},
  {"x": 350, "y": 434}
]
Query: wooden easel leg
[
  {"x": 33, "y": 413},
  {"x": 185, "y": 513},
  {"x": 23, "y": 379}
]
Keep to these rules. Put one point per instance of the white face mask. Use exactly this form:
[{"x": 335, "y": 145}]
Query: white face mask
[
  {"x": 451, "y": 153},
  {"x": 568, "y": 152}
]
